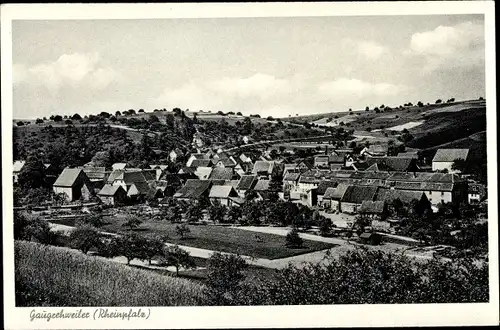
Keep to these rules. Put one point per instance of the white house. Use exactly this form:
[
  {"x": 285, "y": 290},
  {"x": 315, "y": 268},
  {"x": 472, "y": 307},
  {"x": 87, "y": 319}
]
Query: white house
[{"x": 444, "y": 158}]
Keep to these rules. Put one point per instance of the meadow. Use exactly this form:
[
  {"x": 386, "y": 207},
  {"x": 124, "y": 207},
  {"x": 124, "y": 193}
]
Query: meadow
[{"x": 56, "y": 276}]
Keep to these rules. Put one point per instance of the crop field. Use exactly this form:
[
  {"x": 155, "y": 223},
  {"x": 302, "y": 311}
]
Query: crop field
[{"x": 55, "y": 276}]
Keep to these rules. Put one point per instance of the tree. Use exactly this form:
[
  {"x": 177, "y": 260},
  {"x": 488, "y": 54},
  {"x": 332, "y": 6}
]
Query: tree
[
  {"x": 459, "y": 165},
  {"x": 39, "y": 121},
  {"x": 360, "y": 223},
  {"x": 94, "y": 220},
  {"x": 325, "y": 226},
  {"x": 152, "y": 247},
  {"x": 84, "y": 238},
  {"x": 141, "y": 111},
  {"x": 130, "y": 246},
  {"x": 172, "y": 213},
  {"x": 293, "y": 240},
  {"x": 367, "y": 109},
  {"x": 194, "y": 213},
  {"x": 270, "y": 118},
  {"x": 239, "y": 113},
  {"x": 234, "y": 214},
  {"x": 20, "y": 123},
  {"x": 177, "y": 257},
  {"x": 438, "y": 101},
  {"x": 58, "y": 118},
  {"x": 217, "y": 211},
  {"x": 224, "y": 279},
  {"x": 118, "y": 114},
  {"x": 31, "y": 228},
  {"x": 182, "y": 230},
  {"x": 32, "y": 174},
  {"x": 132, "y": 222},
  {"x": 76, "y": 117}
]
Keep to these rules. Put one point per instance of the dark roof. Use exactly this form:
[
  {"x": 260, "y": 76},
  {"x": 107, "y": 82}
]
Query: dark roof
[
  {"x": 262, "y": 185},
  {"x": 69, "y": 176},
  {"x": 193, "y": 188},
  {"x": 400, "y": 164},
  {"x": 220, "y": 173},
  {"x": 247, "y": 182},
  {"x": 358, "y": 194},
  {"x": 111, "y": 190},
  {"x": 372, "y": 207},
  {"x": 403, "y": 195},
  {"x": 291, "y": 176},
  {"x": 139, "y": 188},
  {"x": 337, "y": 192},
  {"x": 321, "y": 158},
  {"x": 449, "y": 155},
  {"x": 423, "y": 186},
  {"x": 201, "y": 163},
  {"x": 323, "y": 185}
]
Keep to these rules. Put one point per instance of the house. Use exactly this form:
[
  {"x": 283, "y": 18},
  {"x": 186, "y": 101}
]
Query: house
[
  {"x": 392, "y": 163},
  {"x": 127, "y": 179},
  {"x": 119, "y": 166},
  {"x": 336, "y": 160},
  {"x": 245, "y": 158},
  {"x": 159, "y": 169},
  {"x": 373, "y": 209},
  {"x": 112, "y": 195},
  {"x": 203, "y": 172},
  {"x": 299, "y": 167},
  {"x": 444, "y": 158},
  {"x": 263, "y": 168},
  {"x": 201, "y": 163},
  {"x": 18, "y": 166},
  {"x": 222, "y": 194},
  {"x": 74, "y": 184},
  {"x": 322, "y": 187},
  {"x": 290, "y": 181},
  {"x": 333, "y": 196},
  {"x": 220, "y": 155},
  {"x": 375, "y": 150},
  {"x": 220, "y": 173},
  {"x": 476, "y": 193},
  {"x": 138, "y": 191},
  {"x": 226, "y": 163},
  {"x": 175, "y": 154},
  {"x": 194, "y": 189},
  {"x": 321, "y": 161},
  {"x": 97, "y": 175},
  {"x": 246, "y": 183},
  {"x": 408, "y": 154},
  {"x": 187, "y": 172},
  {"x": 197, "y": 156},
  {"x": 243, "y": 168},
  {"x": 354, "y": 196},
  {"x": 370, "y": 238}
]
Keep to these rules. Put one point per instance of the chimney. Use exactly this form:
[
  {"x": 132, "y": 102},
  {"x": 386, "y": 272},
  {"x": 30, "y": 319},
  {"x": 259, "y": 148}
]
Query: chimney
[{"x": 326, "y": 150}]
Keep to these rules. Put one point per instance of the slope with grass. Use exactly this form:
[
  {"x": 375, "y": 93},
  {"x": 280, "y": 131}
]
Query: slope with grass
[{"x": 55, "y": 276}]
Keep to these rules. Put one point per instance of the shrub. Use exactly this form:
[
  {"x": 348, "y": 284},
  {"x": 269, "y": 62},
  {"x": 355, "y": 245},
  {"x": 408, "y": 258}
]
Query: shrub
[{"x": 293, "y": 240}]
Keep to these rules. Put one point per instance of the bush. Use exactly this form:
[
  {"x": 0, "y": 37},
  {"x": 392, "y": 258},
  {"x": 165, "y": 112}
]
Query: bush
[
  {"x": 53, "y": 276},
  {"x": 293, "y": 240}
]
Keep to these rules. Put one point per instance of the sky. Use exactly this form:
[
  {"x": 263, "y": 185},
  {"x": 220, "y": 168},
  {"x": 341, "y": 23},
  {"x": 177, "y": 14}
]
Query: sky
[{"x": 277, "y": 66}]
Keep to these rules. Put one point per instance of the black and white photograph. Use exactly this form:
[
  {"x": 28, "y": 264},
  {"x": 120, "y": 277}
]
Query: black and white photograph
[{"x": 236, "y": 155}]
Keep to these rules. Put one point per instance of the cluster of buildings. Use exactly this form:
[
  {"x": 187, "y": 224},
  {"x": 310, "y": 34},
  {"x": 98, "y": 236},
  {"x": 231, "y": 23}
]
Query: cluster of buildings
[{"x": 339, "y": 181}]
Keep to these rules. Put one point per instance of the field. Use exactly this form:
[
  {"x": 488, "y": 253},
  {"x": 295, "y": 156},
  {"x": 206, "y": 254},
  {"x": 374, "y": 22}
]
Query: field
[
  {"x": 217, "y": 238},
  {"x": 55, "y": 276}
]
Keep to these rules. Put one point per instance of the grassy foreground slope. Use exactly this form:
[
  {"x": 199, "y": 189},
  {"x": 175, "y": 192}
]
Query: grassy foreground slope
[{"x": 55, "y": 276}]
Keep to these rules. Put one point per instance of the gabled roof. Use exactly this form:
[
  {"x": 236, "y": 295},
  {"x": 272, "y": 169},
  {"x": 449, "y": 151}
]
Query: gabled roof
[
  {"x": 201, "y": 156},
  {"x": 262, "y": 185},
  {"x": 337, "y": 192},
  {"x": 220, "y": 173},
  {"x": 403, "y": 195},
  {"x": 111, "y": 190},
  {"x": 95, "y": 172},
  {"x": 324, "y": 185},
  {"x": 119, "y": 166},
  {"x": 408, "y": 154},
  {"x": 193, "y": 188},
  {"x": 291, "y": 176},
  {"x": 222, "y": 192},
  {"x": 449, "y": 155},
  {"x": 69, "y": 176},
  {"x": 18, "y": 165},
  {"x": 261, "y": 166},
  {"x": 139, "y": 188},
  {"x": 358, "y": 194},
  {"x": 336, "y": 158},
  {"x": 399, "y": 164},
  {"x": 201, "y": 163},
  {"x": 372, "y": 207},
  {"x": 247, "y": 182},
  {"x": 186, "y": 170}
]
